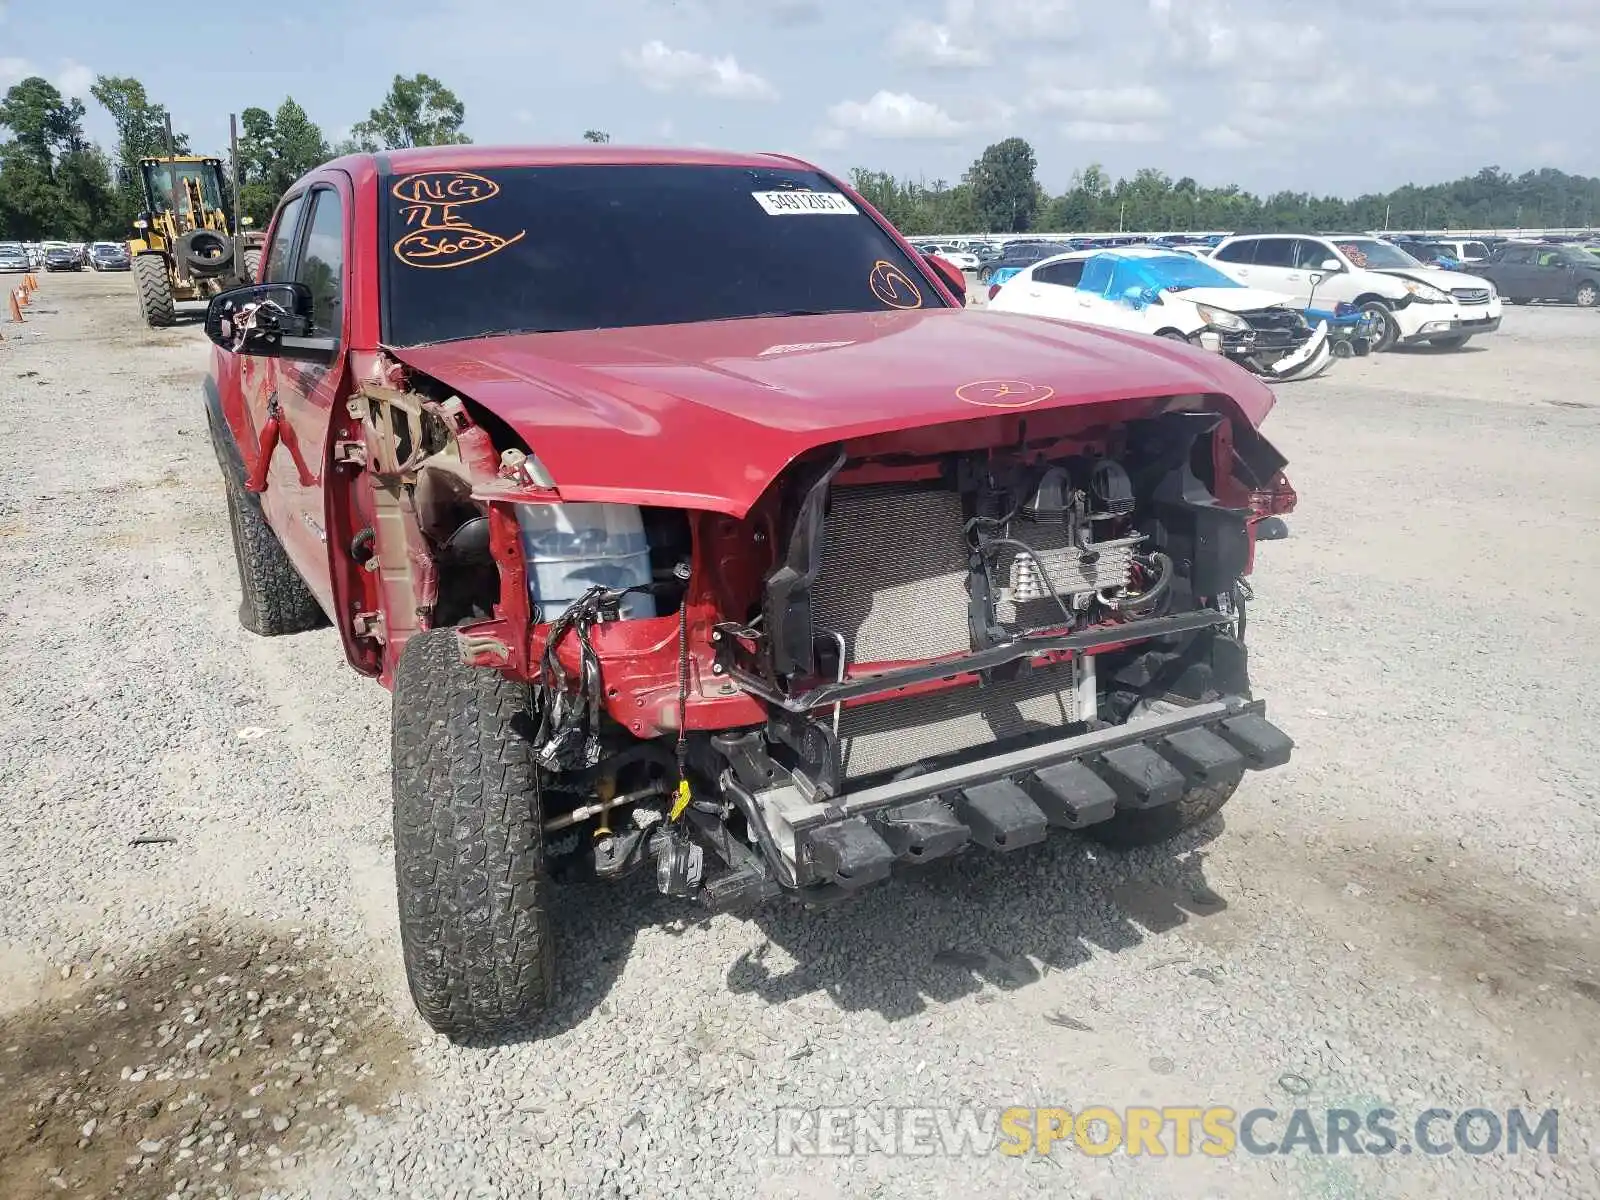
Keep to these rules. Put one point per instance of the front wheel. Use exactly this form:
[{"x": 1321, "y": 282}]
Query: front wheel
[
  {"x": 475, "y": 929},
  {"x": 1387, "y": 329},
  {"x": 1453, "y": 342},
  {"x": 156, "y": 305},
  {"x": 1132, "y": 828}
]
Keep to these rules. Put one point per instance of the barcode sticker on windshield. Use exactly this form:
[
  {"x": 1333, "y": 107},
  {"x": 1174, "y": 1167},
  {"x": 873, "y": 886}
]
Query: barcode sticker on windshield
[{"x": 786, "y": 204}]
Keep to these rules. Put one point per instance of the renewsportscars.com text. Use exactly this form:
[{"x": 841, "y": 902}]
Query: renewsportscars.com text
[{"x": 1178, "y": 1130}]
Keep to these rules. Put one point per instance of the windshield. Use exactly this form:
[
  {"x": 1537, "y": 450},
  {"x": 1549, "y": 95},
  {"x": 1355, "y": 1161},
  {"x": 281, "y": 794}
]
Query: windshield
[
  {"x": 1177, "y": 272},
  {"x": 1374, "y": 255},
  {"x": 165, "y": 185},
  {"x": 544, "y": 249}
]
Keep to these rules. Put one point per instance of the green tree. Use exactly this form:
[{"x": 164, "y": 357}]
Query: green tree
[
  {"x": 419, "y": 111},
  {"x": 141, "y": 133},
  {"x": 1004, "y": 191},
  {"x": 300, "y": 144},
  {"x": 596, "y": 135},
  {"x": 29, "y": 202},
  {"x": 86, "y": 199},
  {"x": 43, "y": 124}
]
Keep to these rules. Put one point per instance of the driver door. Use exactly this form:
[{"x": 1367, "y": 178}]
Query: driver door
[
  {"x": 307, "y": 391},
  {"x": 307, "y": 246}
]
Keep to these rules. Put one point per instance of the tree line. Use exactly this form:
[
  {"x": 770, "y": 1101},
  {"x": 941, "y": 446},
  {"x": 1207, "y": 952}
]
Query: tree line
[
  {"x": 1000, "y": 193},
  {"x": 54, "y": 182}
]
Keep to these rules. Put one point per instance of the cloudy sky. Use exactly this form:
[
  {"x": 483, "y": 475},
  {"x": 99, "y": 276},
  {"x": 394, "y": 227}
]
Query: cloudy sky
[{"x": 1264, "y": 93}]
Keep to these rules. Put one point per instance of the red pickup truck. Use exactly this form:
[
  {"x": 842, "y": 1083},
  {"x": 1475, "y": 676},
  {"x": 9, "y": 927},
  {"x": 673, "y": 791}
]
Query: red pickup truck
[{"x": 696, "y": 524}]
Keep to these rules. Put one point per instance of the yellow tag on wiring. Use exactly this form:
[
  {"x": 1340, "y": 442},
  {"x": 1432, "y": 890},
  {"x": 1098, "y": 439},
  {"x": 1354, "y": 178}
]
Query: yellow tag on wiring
[{"x": 682, "y": 802}]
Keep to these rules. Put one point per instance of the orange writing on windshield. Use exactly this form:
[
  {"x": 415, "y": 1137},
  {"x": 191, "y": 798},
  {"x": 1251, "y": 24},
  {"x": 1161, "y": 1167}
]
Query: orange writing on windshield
[
  {"x": 439, "y": 236},
  {"x": 893, "y": 286}
]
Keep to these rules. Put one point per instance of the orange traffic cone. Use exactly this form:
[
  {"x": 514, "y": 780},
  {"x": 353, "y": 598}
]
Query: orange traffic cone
[
  {"x": 16, "y": 310},
  {"x": 25, "y": 296},
  {"x": 33, "y": 282}
]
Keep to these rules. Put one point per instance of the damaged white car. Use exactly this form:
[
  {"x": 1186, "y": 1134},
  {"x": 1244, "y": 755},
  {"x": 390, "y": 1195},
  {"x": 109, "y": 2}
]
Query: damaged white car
[{"x": 1172, "y": 295}]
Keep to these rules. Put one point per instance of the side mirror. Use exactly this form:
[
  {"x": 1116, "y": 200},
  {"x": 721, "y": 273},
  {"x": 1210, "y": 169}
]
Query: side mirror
[
  {"x": 1331, "y": 264},
  {"x": 267, "y": 320},
  {"x": 952, "y": 276}
]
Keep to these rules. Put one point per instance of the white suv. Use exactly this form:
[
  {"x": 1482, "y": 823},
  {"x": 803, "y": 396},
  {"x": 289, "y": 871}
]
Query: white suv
[{"x": 1412, "y": 303}]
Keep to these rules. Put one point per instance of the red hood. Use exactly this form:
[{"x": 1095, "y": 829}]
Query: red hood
[{"x": 705, "y": 416}]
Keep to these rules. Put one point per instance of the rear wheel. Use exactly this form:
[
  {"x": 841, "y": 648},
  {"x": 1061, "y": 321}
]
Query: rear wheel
[
  {"x": 1588, "y": 295},
  {"x": 475, "y": 928},
  {"x": 154, "y": 291}
]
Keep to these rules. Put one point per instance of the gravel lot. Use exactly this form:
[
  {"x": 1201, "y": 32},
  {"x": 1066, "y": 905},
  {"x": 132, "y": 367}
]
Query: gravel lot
[{"x": 1404, "y": 916}]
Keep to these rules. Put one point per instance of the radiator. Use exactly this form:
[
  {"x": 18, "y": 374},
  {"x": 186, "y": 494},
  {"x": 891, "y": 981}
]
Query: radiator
[
  {"x": 892, "y": 734},
  {"x": 893, "y": 579},
  {"x": 893, "y": 584}
]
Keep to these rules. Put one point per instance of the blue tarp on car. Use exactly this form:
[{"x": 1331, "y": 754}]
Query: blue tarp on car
[{"x": 1135, "y": 279}]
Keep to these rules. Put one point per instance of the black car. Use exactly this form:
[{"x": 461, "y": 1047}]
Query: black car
[
  {"x": 1523, "y": 272},
  {"x": 62, "y": 258},
  {"x": 1020, "y": 254}
]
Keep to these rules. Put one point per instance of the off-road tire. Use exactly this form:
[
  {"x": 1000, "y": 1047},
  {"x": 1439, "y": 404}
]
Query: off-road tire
[
  {"x": 1388, "y": 328},
  {"x": 475, "y": 929},
  {"x": 1588, "y": 295},
  {"x": 252, "y": 265},
  {"x": 1134, "y": 827},
  {"x": 275, "y": 599},
  {"x": 155, "y": 291}
]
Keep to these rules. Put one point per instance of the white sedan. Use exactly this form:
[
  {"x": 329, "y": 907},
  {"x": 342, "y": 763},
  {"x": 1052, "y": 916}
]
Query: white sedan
[
  {"x": 1174, "y": 296},
  {"x": 960, "y": 259}
]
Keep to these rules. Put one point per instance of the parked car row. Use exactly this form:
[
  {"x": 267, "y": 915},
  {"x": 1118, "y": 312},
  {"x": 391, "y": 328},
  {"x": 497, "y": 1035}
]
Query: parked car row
[
  {"x": 64, "y": 256},
  {"x": 1281, "y": 305}
]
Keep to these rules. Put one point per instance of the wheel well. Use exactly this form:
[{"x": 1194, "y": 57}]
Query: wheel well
[
  {"x": 1172, "y": 329},
  {"x": 1374, "y": 298}
]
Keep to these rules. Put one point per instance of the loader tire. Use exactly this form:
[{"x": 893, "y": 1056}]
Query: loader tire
[
  {"x": 275, "y": 600},
  {"x": 475, "y": 928},
  {"x": 1135, "y": 827},
  {"x": 252, "y": 266},
  {"x": 155, "y": 291}
]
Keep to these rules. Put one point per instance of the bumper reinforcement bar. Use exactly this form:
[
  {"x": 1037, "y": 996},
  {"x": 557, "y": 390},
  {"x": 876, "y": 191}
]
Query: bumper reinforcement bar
[{"x": 1012, "y": 799}]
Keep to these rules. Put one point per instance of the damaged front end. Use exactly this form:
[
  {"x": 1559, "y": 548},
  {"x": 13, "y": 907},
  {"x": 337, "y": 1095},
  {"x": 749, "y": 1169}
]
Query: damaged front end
[
  {"x": 1275, "y": 342},
  {"x": 911, "y": 644},
  {"x": 1027, "y": 640}
]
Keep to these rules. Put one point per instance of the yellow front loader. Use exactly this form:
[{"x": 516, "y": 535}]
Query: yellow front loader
[{"x": 183, "y": 245}]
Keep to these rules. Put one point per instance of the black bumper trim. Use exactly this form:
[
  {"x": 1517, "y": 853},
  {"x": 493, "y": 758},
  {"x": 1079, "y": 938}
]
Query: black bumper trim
[{"x": 1008, "y": 800}]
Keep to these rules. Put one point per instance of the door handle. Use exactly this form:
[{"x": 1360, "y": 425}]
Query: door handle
[
  {"x": 1244, "y": 272},
  {"x": 1294, "y": 275}
]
